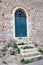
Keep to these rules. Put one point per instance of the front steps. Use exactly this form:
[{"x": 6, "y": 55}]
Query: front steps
[{"x": 29, "y": 51}]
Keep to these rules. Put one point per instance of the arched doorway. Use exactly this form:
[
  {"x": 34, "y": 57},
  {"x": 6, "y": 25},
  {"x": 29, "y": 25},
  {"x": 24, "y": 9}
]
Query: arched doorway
[{"x": 20, "y": 23}]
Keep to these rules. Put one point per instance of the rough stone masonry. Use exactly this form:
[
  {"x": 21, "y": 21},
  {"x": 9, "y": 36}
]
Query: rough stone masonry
[{"x": 34, "y": 9}]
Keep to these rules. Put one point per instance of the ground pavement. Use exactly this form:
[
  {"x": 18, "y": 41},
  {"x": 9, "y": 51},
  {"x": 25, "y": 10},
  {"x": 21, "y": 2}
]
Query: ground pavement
[{"x": 40, "y": 62}]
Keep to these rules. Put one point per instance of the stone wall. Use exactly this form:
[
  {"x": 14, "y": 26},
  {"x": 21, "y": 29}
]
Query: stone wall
[{"x": 35, "y": 19}]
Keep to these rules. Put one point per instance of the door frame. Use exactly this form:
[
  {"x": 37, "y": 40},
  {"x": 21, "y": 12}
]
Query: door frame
[{"x": 26, "y": 22}]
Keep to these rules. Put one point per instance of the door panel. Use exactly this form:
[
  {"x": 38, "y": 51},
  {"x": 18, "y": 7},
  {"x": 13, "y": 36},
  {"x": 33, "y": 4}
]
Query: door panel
[{"x": 20, "y": 27}]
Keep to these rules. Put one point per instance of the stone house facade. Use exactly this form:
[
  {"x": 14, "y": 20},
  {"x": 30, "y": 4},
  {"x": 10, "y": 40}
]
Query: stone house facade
[{"x": 34, "y": 20}]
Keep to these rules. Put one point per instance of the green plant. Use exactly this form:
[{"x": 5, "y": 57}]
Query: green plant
[
  {"x": 26, "y": 47},
  {"x": 21, "y": 43},
  {"x": 24, "y": 61},
  {"x": 41, "y": 51},
  {"x": 15, "y": 46},
  {"x": 18, "y": 50},
  {"x": 30, "y": 47}
]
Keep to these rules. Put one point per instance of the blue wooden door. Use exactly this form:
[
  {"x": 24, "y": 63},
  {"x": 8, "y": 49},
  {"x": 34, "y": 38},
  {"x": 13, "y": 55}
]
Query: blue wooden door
[
  {"x": 20, "y": 27},
  {"x": 20, "y": 23}
]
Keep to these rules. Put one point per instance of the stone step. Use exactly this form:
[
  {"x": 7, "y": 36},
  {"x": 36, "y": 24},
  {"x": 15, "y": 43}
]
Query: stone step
[
  {"x": 30, "y": 53},
  {"x": 22, "y": 40},
  {"x": 32, "y": 45},
  {"x": 29, "y": 50},
  {"x": 32, "y": 57}
]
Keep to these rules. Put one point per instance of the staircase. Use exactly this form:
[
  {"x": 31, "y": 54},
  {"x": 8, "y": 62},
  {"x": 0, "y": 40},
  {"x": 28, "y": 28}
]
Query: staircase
[{"x": 29, "y": 51}]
